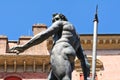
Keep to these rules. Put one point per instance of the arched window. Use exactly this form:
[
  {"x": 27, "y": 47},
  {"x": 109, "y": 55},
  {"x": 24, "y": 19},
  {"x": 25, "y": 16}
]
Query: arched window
[
  {"x": 82, "y": 42},
  {"x": 100, "y": 41},
  {"x": 88, "y": 41},
  {"x": 107, "y": 41},
  {"x": 12, "y": 78},
  {"x": 113, "y": 42}
]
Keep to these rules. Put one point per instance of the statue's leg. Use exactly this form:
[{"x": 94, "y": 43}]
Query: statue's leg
[
  {"x": 68, "y": 71},
  {"x": 62, "y": 55},
  {"x": 61, "y": 68},
  {"x": 52, "y": 76},
  {"x": 84, "y": 63}
]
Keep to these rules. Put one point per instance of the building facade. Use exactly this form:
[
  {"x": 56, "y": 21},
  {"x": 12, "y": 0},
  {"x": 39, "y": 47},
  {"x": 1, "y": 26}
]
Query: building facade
[{"x": 34, "y": 63}]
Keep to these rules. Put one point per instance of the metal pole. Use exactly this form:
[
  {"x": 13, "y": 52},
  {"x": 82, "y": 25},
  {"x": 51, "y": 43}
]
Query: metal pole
[{"x": 94, "y": 54}]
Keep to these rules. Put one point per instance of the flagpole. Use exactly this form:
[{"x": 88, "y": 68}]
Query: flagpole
[{"x": 94, "y": 54}]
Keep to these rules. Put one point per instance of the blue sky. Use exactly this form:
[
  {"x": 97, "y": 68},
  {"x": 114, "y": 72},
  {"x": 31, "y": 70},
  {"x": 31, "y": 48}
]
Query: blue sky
[{"x": 18, "y": 16}]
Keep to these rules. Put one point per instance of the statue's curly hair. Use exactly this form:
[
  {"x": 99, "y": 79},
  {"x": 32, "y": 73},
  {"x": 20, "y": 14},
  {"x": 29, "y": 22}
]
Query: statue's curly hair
[{"x": 60, "y": 15}]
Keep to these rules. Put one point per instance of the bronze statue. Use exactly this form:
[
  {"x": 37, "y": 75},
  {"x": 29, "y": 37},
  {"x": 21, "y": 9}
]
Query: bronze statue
[{"x": 65, "y": 48}]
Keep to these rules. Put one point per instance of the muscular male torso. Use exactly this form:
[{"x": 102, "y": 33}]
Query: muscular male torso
[{"x": 63, "y": 53}]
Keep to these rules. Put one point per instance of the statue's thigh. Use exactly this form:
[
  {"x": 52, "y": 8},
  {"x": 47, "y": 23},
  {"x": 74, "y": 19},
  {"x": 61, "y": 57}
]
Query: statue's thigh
[
  {"x": 52, "y": 76},
  {"x": 61, "y": 67}
]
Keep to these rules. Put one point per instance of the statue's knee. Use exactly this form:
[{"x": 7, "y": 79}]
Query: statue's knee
[{"x": 66, "y": 78}]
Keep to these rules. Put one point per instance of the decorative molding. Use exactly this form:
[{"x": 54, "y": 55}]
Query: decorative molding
[
  {"x": 44, "y": 61},
  {"x": 105, "y": 41},
  {"x": 99, "y": 65}
]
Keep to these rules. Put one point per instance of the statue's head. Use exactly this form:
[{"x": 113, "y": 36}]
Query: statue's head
[{"x": 58, "y": 17}]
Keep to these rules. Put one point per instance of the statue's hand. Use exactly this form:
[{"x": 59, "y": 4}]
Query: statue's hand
[{"x": 17, "y": 49}]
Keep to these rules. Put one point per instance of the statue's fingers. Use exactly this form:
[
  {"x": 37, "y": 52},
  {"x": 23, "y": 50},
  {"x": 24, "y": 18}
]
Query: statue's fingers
[
  {"x": 17, "y": 52},
  {"x": 13, "y": 48}
]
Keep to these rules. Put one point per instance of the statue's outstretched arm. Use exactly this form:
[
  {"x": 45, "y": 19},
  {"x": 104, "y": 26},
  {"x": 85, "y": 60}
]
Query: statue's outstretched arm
[{"x": 38, "y": 38}]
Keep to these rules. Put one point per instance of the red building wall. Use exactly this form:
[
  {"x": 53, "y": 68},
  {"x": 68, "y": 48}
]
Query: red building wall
[{"x": 25, "y": 75}]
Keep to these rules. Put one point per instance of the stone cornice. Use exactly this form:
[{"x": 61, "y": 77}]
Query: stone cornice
[
  {"x": 34, "y": 60},
  {"x": 105, "y": 41},
  {"x": 3, "y": 37}
]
